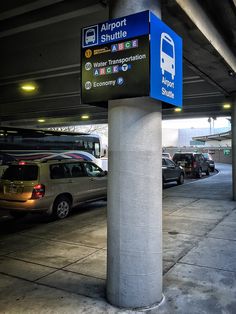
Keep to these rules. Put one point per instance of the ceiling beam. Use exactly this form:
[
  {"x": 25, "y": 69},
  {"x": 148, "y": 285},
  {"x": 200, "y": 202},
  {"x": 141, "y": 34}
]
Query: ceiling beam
[
  {"x": 182, "y": 115},
  {"x": 206, "y": 27},
  {"x": 25, "y": 8},
  {"x": 82, "y": 11}
]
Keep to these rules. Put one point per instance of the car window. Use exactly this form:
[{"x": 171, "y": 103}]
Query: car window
[
  {"x": 21, "y": 173},
  {"x": 58, "y": 171},
  {"x": 93, "y": 170},
  {"x": 183, "y": 157},
  {"x": 200, "y": 158},
  {"x": 166, "y": 155},
  {"x": 170, "y": 163},
  {"x": 76, "y": 170},
  {"x": 163, "y": 162}
]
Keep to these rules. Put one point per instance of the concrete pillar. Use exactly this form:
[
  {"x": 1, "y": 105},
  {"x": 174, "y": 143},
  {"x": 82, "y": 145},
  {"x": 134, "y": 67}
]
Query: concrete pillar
[
  {"x": 233, "y": 126},
  {"x": 134, "y": 271}
]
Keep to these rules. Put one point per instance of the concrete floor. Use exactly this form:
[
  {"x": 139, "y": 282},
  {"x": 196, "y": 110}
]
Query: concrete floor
[{"x": 60, "y": 267}]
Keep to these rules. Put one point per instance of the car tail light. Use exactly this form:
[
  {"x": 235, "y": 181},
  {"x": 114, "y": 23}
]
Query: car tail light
[
  {"x": 22, "y": 163},
  {"x": 38, "y": 191},
  {"x": 194, "y": 164}
]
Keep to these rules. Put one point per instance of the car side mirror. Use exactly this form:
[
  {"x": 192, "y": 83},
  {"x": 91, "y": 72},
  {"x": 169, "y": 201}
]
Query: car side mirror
[{"x": 102, "y": 174}]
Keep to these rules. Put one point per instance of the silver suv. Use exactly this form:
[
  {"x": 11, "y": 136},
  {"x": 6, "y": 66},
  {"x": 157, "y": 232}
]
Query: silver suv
[{"x": 51, "y": 186}]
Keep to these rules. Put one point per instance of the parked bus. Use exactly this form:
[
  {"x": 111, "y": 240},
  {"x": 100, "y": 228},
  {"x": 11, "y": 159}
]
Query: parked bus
[{"x": 22, "y": 143}]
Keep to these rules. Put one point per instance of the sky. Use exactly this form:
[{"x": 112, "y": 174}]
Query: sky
[{"x": 220, "y": 122}]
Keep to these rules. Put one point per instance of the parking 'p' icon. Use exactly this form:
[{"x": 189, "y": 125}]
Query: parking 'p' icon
[{"x": 90, "y": 36}]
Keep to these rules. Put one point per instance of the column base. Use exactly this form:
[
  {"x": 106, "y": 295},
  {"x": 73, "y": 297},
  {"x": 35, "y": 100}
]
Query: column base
[{"x": 149, "y": 309}]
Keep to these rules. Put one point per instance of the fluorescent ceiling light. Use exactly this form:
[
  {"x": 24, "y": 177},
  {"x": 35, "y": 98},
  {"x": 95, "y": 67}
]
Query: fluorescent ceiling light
[
  {"x": 28, "y": 87},
  {"x": 85, "y": 116}
]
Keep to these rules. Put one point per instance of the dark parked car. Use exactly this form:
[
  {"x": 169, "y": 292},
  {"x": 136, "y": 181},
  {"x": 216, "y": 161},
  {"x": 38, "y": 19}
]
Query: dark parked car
[
  {"x": 210, "y": 161},
  {"x": 171, "y": 172},
  {"x": 193, "y": 163}
]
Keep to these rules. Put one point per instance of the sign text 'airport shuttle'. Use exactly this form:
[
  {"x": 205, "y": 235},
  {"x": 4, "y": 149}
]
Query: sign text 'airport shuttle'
[{"x": 133, "y": 56}]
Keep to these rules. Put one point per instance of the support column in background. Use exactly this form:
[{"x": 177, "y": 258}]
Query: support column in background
[{"x": 233, "y": 127}]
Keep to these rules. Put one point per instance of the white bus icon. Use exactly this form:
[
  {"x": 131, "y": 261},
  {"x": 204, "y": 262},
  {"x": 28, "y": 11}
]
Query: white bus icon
[
  {"x": 90, "y": 36},
  {"x": 167, "y": 55}
]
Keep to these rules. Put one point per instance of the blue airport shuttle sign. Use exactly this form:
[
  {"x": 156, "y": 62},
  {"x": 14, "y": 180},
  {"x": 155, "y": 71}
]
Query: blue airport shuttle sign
[
  {"x": 116, "y": 30},
  {"x": 166, "y": 64},
  {"x": 132, "y": 56}
]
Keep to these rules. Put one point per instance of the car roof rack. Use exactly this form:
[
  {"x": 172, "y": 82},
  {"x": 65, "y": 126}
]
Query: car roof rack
[{"x": 60, "y": 159}]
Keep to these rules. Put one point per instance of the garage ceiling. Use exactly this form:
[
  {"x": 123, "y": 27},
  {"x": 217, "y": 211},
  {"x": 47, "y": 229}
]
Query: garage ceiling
[{"x": 40, "y": 42}]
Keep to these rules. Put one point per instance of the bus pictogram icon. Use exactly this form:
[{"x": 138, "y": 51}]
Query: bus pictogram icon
[
  {"x": 90, "y": 36},
  {"x": 167, "y": 55}
]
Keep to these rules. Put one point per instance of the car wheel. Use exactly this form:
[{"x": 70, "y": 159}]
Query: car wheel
[
  {"x": 199, "y": 173},
  {"x": 180, "y": 181},
  {"x": 61, "y": 207},
  {"x": 212, "y": 169},
  {"x": 17, "y": 214},
  {"x": 207, "y": 172}
]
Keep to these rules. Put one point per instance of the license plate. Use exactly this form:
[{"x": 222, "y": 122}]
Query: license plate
[
  {"x": 15, "y": 189},
  {"x": 12, "y": 189}
]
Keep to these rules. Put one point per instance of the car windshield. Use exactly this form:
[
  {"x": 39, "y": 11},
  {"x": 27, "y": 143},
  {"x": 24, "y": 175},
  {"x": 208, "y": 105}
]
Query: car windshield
[
  {"x": 182, "y": 157},
  {"x": 21, "y": 173},
  {"x": 207, "y": 156}
]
